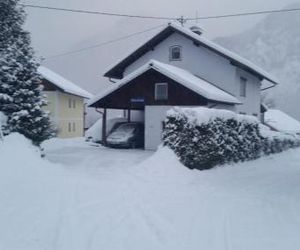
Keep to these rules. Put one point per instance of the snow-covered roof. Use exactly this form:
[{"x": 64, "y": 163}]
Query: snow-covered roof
[
  {"x": 179, "y": 75},
  {"x": 281, "y": 121},
  {"x": 62, "y": 83},
  {"x": 240, "y": 61}
]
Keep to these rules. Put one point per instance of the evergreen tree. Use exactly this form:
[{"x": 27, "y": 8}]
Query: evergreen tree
[{"x": 21, "y": 97}]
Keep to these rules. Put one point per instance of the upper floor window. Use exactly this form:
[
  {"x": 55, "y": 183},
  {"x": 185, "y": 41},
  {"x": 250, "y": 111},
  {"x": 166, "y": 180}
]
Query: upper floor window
[
  {"x": 70, "y": 103},
  {"x": 175, "y": 53},
  {"x": 161, "y": 91},
  {"x": 243, "y": 87}
]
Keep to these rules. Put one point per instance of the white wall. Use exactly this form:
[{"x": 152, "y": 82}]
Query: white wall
[
  {"x": 207, "y": 64},
  {"x": 214, "y": 105},
  {"x": 198, "y": 60},
  {"x": 252, "y": 101},
  {"x": 154, "y": 116}
]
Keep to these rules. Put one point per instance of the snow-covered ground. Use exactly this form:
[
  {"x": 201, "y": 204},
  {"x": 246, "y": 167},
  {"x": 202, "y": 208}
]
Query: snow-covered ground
[{"x": 86, "y": 197}]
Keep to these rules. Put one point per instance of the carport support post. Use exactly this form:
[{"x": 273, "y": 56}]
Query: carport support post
[
  {"x": 129, "y": 115},
  {"x": 104, "y": 118}
]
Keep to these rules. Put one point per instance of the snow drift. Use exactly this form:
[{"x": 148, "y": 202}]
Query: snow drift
[{"x": 157, "y": 204}]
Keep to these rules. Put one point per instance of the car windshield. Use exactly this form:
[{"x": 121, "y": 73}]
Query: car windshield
[{"x": 125, "y": 128}]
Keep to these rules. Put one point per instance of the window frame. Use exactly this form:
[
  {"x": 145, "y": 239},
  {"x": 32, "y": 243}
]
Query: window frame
[
  {"x": 156, "y": 98},
  {"x": 69, "y": 127},
  {"x": 243, "y": 86},
  {"x": 171, "y": 58}
]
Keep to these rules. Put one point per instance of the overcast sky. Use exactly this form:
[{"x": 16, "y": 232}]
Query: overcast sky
[{"x": 58, "y": 32}]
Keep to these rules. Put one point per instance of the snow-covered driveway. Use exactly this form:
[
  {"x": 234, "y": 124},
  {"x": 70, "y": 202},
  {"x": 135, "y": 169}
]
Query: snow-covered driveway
[
  {"x": 78, "y": 155},
  {"x": 97, "y": 198}
]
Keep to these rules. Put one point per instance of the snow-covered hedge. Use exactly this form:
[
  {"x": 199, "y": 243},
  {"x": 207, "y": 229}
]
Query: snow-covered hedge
[
  {"x": 3, "y": 120},
  {"x": 203, "y": 138}
]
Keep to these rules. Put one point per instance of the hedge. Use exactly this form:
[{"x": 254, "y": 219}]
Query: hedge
[{"x": 203, "y": 138}]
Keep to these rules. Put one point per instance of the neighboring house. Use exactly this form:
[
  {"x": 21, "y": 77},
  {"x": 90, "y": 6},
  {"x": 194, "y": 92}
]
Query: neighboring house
[
  {"x": 180, "y": 67},
  {"x": 66, "y": 103}
]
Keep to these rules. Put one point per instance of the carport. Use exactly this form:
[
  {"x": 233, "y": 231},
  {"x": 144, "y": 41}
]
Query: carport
[{"x": 127, "y": 114}]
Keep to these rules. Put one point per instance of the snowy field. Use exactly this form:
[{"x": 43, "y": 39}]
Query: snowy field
[{"x": 86, "y": 197}]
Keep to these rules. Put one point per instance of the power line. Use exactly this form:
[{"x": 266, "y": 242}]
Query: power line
[
  {"x": 244, "y": 14},
  {"x": 96, "y": 12},
  {"x": 102, "y": 44},
  {"x": 161, "y": 17}
]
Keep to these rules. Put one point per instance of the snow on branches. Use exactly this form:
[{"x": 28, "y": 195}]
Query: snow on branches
[
  {"x": 203, "y": 138},
  {"x": 21, "y": 98}
]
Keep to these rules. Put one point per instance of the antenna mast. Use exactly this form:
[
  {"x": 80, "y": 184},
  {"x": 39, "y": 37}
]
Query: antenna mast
[{"x": 182, "y": 20}]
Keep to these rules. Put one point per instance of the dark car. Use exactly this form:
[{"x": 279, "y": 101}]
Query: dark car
[{"x": 127, "y": 135}]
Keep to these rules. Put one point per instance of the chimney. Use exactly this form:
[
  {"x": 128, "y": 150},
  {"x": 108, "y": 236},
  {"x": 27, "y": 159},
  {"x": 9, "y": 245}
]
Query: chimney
[{"x": 196, "y": 30}]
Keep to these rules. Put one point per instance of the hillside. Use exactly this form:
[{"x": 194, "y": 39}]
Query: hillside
[{"x": 274, "y": 45}]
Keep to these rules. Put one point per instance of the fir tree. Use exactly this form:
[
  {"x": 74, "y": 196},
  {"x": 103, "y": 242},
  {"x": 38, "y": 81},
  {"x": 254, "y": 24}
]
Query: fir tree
[{"x": 21, "y": 97}]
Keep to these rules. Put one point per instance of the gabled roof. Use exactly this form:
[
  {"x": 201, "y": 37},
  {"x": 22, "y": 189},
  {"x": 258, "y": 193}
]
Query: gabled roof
[
  {"x": 62, "y": 83},
  {"x": 117, "y": 70},
  {"x": 179, "y": 75}
]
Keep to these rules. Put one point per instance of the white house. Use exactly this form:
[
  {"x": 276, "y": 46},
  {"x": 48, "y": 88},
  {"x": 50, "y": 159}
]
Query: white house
[{"x": 180, "y": 67}]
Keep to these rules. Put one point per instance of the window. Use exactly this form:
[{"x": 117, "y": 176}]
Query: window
[
  {"x": 175, "y": 53},
  {"x": 70, "y": 103},
  {"x": 161, "y": 91},
  {"x": 74, "y": 127},
  {"x": 243, "y": 86},
  {"x": 69, "y": 127},
  {"x": 74, "y": 103}
]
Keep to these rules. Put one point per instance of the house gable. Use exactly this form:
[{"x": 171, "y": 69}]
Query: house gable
[
  {"x": 61, "y": 83},
  {"x": 140, "y": 92},
  {"x": 198, "y": 40},
  {"x": 49, "y": 86},
  {"x": 197, "y": 60}
]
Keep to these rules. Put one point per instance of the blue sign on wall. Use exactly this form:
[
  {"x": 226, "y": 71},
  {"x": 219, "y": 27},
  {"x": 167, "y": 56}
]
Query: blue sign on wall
[{"x": 137, "y": 100}]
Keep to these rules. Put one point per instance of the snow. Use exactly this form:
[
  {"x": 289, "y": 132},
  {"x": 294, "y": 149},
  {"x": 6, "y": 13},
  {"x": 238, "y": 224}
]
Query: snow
[
  {"x": 63, "y": 83},
  {"x": 95, "y": 131},
  {"x": 281, "y": 121},
  {"x": 179, "y": 75},
  {"x": 5, "y": 97},
  {"x": 84, "y": 197},
  {"x": 202, "y": 115}
]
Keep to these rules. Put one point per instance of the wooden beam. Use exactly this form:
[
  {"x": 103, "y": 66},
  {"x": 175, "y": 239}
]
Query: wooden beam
[
  {"x": 129, "y": 115},
  {"x": 104, "y": 118}
]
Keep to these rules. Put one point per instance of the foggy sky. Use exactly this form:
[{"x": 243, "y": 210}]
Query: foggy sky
[{"x": 58, "y": 32}]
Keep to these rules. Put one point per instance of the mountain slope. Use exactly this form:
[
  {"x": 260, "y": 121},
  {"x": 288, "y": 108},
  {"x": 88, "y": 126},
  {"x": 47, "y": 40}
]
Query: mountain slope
[{"x": 274, "y": 44}]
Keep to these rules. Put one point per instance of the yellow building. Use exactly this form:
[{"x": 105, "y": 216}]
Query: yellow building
[{"x": 66, "y": 103}]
